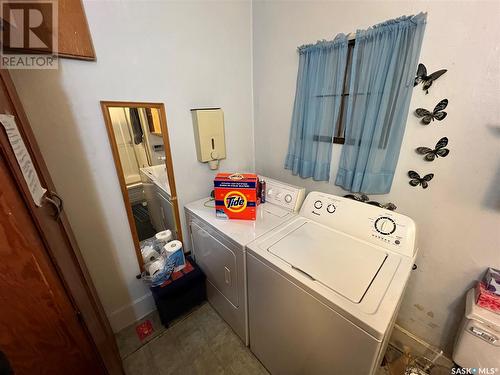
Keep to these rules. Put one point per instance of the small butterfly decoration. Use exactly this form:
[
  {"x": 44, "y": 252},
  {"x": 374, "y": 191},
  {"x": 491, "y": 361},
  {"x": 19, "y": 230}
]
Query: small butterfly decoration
[
  {"x": 359, "y": 198},
  {"x": 437, "y": 114},
  {"x": 427, "y": 80},
  {"x": 417, "y": 180},
  {"x": 431, "y": 154},
  {"x": 365, "y": 199}
]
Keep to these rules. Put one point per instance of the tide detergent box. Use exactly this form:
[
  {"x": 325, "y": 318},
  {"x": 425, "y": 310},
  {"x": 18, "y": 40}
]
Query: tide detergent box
[{"x": 236, "y": 195}]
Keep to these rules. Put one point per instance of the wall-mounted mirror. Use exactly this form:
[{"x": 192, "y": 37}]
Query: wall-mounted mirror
[{"x": 139, "y": 139}]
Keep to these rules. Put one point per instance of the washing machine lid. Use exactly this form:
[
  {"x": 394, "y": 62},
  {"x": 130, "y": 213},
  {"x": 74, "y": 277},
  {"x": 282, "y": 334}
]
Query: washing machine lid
[
  {"x": 342, "y": 263},
  {"x": 274, "y": 210}
]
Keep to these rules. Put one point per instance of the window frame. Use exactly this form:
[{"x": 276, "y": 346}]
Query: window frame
[{"x": 339, "y": 132}]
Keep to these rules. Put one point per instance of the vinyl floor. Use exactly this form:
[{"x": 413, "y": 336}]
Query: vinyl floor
[{"x": 198, "y": 343}]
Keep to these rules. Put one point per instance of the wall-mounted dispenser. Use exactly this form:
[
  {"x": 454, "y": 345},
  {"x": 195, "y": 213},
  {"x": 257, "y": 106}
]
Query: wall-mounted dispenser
[{"x": 208, "y": 125}]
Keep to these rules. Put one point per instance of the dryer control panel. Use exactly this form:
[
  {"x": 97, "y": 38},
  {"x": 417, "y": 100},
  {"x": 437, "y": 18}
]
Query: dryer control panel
[
  {"x": 283, "y": 194},
  {"x": 372, "y": 224}
]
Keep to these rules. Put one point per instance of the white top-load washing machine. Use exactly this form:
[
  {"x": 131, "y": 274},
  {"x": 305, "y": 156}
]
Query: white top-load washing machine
[
  {"x": 324, "y": 288},
  {"x": 218, "y": 247}
]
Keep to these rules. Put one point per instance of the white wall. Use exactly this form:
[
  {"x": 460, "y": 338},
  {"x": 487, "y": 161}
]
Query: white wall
[
  {"x": 184, "y": 54},
  {"x": 458, "y": 216}
]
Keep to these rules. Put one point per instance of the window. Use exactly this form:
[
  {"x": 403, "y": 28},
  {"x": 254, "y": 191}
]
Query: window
[
  {"x": 340, "y": 127},
  {"x": 348, "y": 94},
  {"x": 339, "y": 131}
]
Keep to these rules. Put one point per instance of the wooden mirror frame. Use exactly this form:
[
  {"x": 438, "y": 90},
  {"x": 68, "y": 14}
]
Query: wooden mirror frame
[{"x": 105, "y": 105}]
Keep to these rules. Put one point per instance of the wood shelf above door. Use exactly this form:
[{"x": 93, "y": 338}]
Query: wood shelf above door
[{"x": 74, "y": 39}]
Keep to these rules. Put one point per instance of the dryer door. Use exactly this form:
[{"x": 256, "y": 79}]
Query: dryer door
[{"x": 217, "y": 261}]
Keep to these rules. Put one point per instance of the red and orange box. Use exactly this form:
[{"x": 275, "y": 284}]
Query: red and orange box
[{"x": 236, "y": 195}]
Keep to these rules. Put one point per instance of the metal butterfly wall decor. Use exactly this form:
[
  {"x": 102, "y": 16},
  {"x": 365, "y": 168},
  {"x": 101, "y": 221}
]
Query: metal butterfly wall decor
[
  {"x": 417, "y": 180},
  {"x": 427, "y": 80},
  {"x": 359, "y": 198},
  {"x": 437, "y": 114},
  {"x": 431, "y": 154},
  {"x": 365, "y": 199}
]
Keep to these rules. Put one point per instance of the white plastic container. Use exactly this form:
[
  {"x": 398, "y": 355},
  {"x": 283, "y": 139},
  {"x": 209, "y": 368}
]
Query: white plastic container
[{"x": 478, "y": 340}]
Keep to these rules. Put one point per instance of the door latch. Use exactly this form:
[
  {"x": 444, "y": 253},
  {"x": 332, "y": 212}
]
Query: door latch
[{"x": 57, "y": 202}]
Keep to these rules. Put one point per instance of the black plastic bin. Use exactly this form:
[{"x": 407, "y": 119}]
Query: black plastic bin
[{"x": 180, "y": 295}]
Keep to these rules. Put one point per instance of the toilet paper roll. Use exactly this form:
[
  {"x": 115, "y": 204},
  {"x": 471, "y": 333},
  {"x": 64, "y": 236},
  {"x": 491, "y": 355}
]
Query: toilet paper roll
[
  {"x": 173, "y": 250},
  {"x": 172, "y": 247},
  {"x": 149, "y": 254},
  {"x": 165, "y": 236},
  {"x": 156, "y": 266}
]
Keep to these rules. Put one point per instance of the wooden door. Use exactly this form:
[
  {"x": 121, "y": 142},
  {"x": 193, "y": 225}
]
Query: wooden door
[
  {"x": 57, "y": 236},
  {"x": 40, "y": 331}
]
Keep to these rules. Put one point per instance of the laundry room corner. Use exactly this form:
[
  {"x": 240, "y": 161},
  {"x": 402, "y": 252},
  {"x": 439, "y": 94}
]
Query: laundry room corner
[
  {"x": 453, "y": 249},
  {"x": 254, "y": 187}
]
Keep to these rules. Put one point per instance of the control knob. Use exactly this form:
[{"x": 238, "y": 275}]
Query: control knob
[
  {"x": 385, "y": 225},
  {"x": 331, "y": 208}
]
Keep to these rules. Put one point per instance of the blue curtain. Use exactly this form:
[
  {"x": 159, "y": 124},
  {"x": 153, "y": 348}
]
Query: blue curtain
[
  {"x": 316, "y": 108},
  {"x": 384, "y": 63}
]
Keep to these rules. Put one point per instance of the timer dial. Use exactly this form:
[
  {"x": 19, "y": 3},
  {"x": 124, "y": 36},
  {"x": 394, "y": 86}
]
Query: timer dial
[
  {"x": 330, "y": 208},
  {"x": 385, "y": 225},
  {"x": 288, "y": 198}
]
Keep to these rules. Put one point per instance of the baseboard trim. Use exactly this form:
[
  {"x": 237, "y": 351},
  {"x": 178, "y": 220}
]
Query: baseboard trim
[
  {"x": 129, "y": 314},
  {"x": 402, "y": 339}
]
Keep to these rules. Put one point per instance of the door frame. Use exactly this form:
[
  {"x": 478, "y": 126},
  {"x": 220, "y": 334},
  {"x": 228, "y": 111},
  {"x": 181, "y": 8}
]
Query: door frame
[{"x": 105, "y": 105}]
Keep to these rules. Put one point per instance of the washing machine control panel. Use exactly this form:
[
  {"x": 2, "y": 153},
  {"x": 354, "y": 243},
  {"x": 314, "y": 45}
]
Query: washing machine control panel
[
  {"x": 373, "y": 224},
  {"x": 284, "y": 195},
  {"x": 385, "y": 229}
]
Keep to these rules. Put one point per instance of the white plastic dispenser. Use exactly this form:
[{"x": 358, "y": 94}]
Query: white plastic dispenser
[{"x": 208, "y": 126}]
